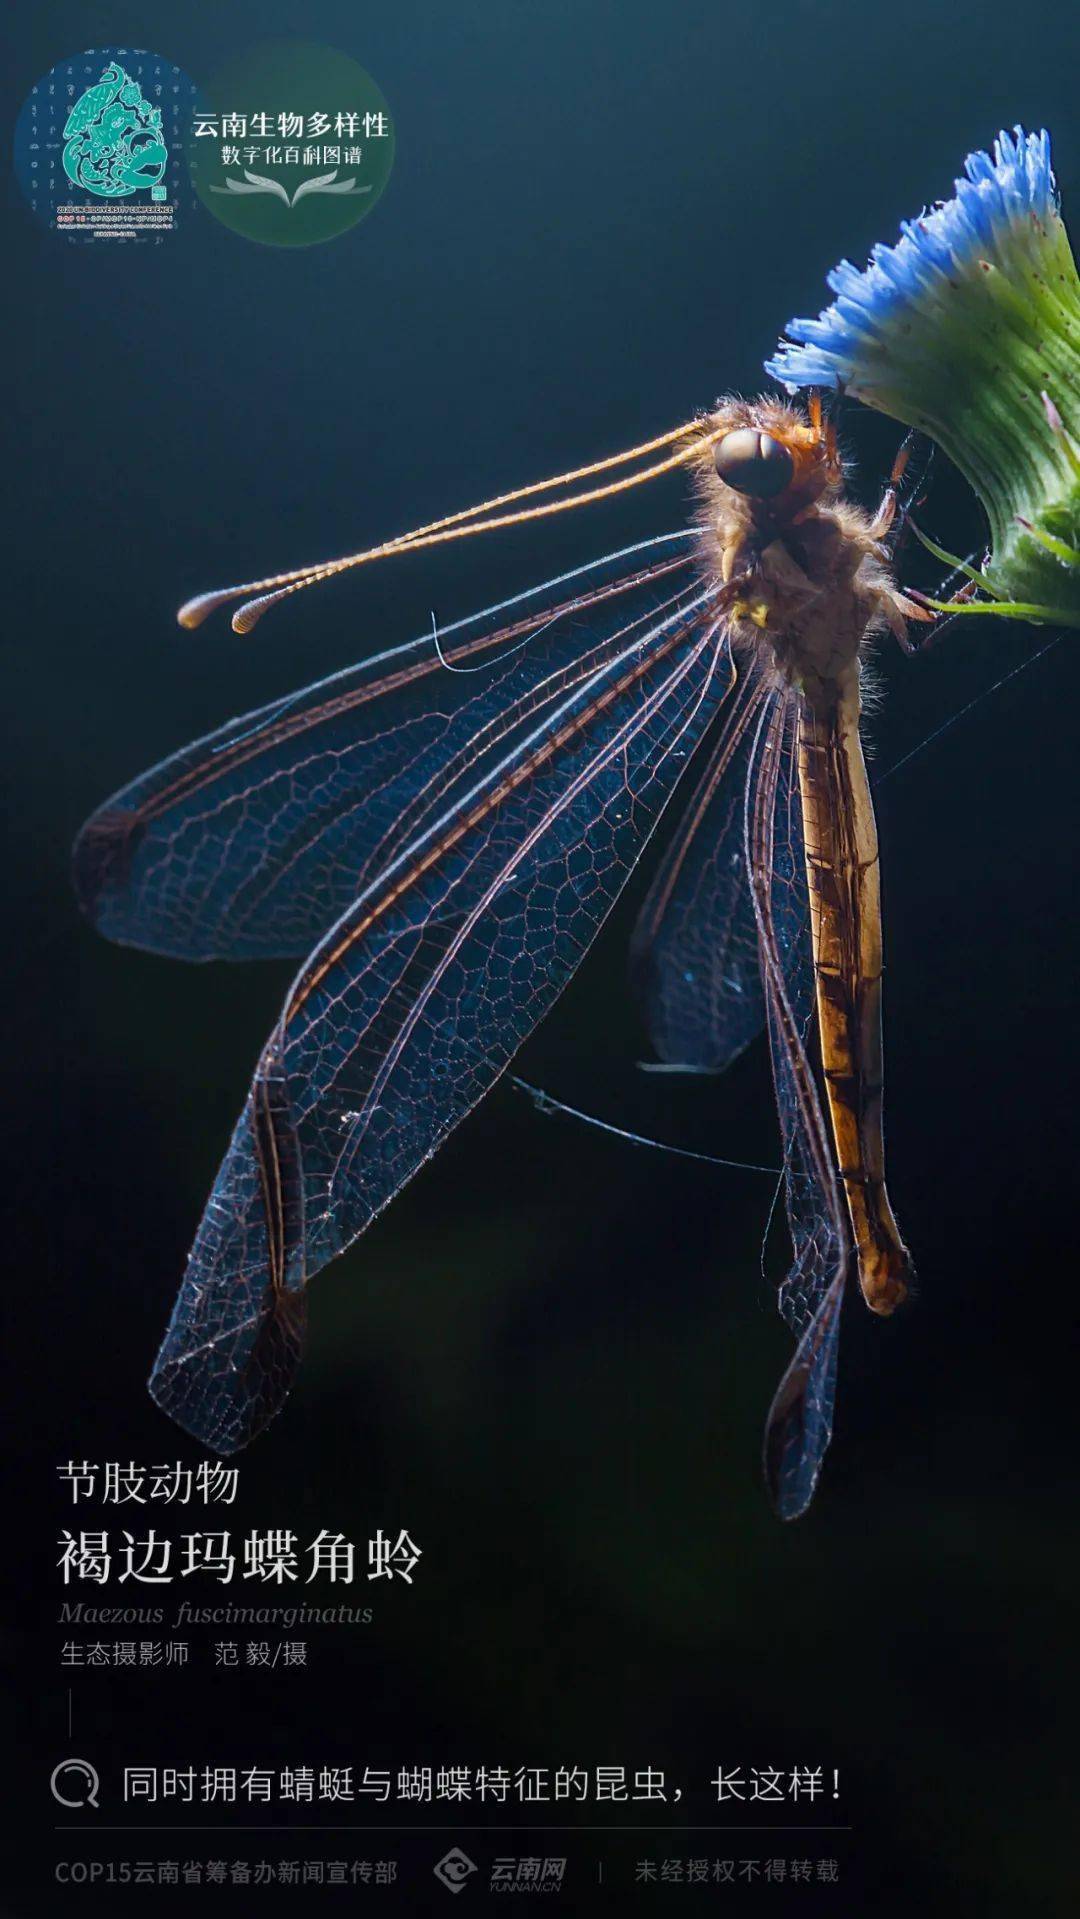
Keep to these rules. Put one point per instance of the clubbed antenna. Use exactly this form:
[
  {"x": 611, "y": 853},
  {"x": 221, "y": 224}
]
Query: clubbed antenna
[{"x": 688, "y": 442}]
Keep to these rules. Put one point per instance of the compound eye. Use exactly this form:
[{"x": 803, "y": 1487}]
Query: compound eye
[{"x": 754, "y": 463}]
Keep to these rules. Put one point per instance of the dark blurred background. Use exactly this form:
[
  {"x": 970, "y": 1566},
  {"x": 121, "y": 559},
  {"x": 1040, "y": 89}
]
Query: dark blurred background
[{"x": 552, "y": 1358}]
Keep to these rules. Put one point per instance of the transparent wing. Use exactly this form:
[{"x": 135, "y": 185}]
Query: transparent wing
[
  {"x": 252, "y": 842},
  {"x": 799, "y": 1424},
  {"x": 694, "y": 955},
  {"x": 416, "y": 1001}
]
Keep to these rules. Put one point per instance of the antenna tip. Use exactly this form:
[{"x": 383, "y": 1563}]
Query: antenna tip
[
  {"x": 251, "y": 612},
  {"x": 194, "y": 612}
]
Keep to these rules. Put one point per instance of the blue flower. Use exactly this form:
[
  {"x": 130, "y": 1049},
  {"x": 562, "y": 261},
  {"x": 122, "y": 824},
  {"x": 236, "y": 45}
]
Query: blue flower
[
  {"x": 969, "y": 329},
  {"x": 1002, "y": 207}
]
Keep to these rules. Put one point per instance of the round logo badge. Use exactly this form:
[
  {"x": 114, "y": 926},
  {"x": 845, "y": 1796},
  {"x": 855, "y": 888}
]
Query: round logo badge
[
  {"x": 99, "y": 145},
  {"x": 291, "y": 144}
]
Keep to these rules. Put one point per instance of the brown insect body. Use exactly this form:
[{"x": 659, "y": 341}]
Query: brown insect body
[
  {"x": 561, "y": 789},
  {"x": 810, "y": 584},
  {"x": 810, "y": 568}
]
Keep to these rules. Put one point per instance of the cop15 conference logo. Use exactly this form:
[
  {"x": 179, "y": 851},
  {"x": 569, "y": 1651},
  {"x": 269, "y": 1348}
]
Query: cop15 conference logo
[
  {"x": 288, "y": 145},
  {"x": 99, "y": 146}
]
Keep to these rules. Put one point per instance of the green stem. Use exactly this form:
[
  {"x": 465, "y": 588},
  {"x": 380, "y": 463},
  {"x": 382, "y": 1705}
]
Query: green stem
[{"x": 1028, "y": 610}]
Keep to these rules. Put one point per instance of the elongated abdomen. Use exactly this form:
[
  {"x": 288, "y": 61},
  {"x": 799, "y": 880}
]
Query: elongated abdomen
[{"x": 845, "y": 910}]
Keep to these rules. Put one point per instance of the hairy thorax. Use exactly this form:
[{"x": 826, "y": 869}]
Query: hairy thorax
[{"x": 806, "y": 571}]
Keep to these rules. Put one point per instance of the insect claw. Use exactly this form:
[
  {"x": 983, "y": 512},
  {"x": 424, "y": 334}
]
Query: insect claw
[{"x": 914, "y": 607}]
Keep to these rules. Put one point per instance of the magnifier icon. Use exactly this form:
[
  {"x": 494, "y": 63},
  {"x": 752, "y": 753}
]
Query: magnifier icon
[{"x": 77, "y": 1778}]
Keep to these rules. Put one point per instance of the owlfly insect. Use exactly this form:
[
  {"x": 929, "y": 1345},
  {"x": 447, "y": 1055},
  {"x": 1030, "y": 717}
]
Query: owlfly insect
[{"x": 439, "y": 847}]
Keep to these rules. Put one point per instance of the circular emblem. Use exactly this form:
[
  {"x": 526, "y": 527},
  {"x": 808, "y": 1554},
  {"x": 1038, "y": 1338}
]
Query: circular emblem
[
  {"x": 291, "y": 144},
  {"x": 99, "y": 145}
]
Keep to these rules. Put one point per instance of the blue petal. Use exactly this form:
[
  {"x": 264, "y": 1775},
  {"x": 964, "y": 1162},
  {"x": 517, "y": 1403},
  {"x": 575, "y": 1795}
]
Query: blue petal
[{"x": 992, "y": 203}]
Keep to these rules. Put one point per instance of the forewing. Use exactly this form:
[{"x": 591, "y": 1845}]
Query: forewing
[
  {"x": 799, "y": 1424},
  {"x": 694, "y": 956},
  {"x": 252, "y": 842},
  {"x": 416, "y": 1001}
]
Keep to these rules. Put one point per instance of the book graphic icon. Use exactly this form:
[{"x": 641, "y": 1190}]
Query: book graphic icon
[{"x": 319, "y": 183}]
